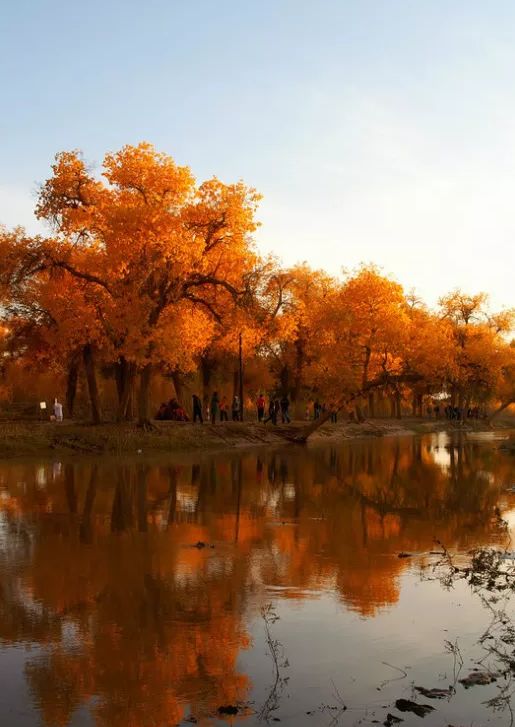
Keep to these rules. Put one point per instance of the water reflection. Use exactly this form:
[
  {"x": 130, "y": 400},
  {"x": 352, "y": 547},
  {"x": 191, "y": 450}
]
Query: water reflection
[{"x": 135, "y": 584}]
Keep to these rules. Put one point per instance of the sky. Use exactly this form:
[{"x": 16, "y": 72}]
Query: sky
[{"x": 377, "y": 130}]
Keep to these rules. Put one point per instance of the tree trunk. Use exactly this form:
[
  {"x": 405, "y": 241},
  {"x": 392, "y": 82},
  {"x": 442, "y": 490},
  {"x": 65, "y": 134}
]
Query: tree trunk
[
  {"x": 500, "y": 408},
  {"x": 71, "y": 384},
  {"x": 91, "y": 377},
  {"x": 206, "y": 369},
  {"x": 284, "y": 378},
  {"x": 125, "y": 373},
  {"x": 144, "y": 395},
  {"x": 414, "y": 403},
  {"x": 178, "y": 386},
  {"x": 398, "y": 412},
  {"x": 371, "y": 405}
]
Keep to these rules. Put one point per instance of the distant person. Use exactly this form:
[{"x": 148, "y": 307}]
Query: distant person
[
  {"x": 334, "y": 412},
  {"x": 316, "y": 409},
  {"x": 235, "y": 408},
  {"x": 215, "y": 404},
  {"x": 161, "y": 414},
  {"x": 224, "y": 406},
  {"x": 285, "y": 406},
  {"x": 58, "y": 410},
  {"x": 260, "y": 404},
  {"x": 197, "y": 409},
  {"x": 273, "y": 410}
]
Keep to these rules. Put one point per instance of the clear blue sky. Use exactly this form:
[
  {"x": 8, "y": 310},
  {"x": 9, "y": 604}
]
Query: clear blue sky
[{"x": 377, "y": 130}]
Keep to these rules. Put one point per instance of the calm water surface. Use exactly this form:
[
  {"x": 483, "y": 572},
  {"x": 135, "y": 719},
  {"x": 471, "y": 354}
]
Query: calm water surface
[{"x": 110, "y": 615}]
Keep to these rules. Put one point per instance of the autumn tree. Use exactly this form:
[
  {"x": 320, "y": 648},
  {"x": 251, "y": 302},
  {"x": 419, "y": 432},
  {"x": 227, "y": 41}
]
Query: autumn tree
[{"x": 162, "y": 258}]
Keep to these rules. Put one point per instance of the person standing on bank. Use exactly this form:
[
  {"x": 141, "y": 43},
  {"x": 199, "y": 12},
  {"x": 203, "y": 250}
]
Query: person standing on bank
[
  {"x": 273, "y": 411},
  {"x": 260, "y": 403},
  {"x": 235, "y": 408},
  {"x": 215, "y": 403},
  {"x": 58, "y": 410},
  {"x": 223, "y": 410},
  {"x": 197, "y": 409},
  {"x": 285, "y": 405}
]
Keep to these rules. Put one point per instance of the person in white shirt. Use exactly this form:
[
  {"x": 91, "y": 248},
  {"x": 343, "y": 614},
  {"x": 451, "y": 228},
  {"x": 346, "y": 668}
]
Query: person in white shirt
[{"x": 58, "y": 410}]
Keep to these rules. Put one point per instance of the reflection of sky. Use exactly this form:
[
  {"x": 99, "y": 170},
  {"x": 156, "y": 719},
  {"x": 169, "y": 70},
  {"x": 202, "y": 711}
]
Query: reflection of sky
[
  {"x": 439, "y": 452},
  {"x": 325, "y": 644}
]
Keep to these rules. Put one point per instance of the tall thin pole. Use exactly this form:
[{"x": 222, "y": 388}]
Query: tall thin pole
[{"x": 241, "y": 379}]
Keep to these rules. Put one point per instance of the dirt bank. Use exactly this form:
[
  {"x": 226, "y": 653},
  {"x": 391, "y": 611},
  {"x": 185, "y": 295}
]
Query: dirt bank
[{"x": 40, "y": 438}]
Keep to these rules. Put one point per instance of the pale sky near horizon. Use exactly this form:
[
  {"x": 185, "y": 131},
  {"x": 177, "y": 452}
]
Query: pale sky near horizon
[{"x": 377, "y": 130}]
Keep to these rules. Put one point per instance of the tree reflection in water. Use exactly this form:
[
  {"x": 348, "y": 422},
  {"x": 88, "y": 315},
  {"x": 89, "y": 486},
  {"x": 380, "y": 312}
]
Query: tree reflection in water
[{"x": 100, "y": 569}]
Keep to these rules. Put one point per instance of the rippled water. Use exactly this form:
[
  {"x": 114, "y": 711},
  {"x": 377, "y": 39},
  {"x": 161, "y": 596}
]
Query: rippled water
[{"x": 139, "y": 592}]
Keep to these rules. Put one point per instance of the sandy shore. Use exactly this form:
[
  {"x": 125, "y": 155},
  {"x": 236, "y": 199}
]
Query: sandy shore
[{"x": 40, "y": 438}]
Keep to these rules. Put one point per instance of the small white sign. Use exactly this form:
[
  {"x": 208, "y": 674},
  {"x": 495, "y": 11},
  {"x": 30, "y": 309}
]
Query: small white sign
[{"x": 42, "y": 404}]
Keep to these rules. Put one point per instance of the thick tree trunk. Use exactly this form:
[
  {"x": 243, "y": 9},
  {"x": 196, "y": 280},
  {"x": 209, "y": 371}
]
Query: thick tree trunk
[
  {"x": 71, "y": 384},
  {"x": 420, "y": 401},
  {"x": 398, "y": 411},
  {"x": 144, "y": 395},
  {"x": 91, "y": 377},
  {"x": 125, "y": 373},
  {"x": 297, "y": 378},
  {"x": 178, "y": 385},
  {"x": 284, "y": 378},
  {"x": 206, "y": 369}
]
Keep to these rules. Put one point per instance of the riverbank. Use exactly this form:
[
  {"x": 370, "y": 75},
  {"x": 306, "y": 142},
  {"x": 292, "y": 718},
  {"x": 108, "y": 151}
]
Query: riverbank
[{"x": 44, "y": 438}]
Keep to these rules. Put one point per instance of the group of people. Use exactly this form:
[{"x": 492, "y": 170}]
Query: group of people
[
  {"x": 276, "y": 407},
  {"x": 218, "y": 409},
  {"x": 172, "y": 411},
  {"x": 457, "y": 413},
  {"x": 454, "y": 413}
]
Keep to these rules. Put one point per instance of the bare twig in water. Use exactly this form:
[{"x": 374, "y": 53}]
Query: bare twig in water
[
  {"x": 490, "y": 575},
  {"x": 454, "y": 649},
  {"x": 393, "y": 679},
  {"x": 276, "y": 651}
]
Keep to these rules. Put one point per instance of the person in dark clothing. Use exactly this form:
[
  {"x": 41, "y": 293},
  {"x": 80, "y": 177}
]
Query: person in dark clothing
[
  {"x": 235, "y": 408},
  {"x": 223, "y": 410},
  {"x": 260, "y": 404},
  {"x": 215, "y": 403},
  {"x": 285, "y": 405},
  {"x": 161, "y": 414},
  {"x": 316, "y": 409},
  {"x": 273, "y": 411},
  {"x": 197, "y": 409}
]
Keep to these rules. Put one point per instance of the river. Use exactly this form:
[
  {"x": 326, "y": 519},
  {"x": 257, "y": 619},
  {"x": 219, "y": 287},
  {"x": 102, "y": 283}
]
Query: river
[{"x": 155, "y": 591}]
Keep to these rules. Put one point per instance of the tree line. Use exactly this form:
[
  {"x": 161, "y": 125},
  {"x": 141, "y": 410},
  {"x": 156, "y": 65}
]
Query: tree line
[{"x": 144, "y": 271}]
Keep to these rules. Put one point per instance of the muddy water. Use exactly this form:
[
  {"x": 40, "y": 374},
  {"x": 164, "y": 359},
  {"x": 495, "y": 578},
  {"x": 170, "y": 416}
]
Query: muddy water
[{"x": 153, "y": 592}]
